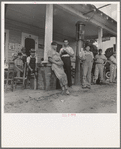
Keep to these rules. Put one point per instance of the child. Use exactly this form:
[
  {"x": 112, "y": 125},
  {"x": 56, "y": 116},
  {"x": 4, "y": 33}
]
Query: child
[
  {"x": 19, "y": 65},
  {"x": 32, "y": 63}
]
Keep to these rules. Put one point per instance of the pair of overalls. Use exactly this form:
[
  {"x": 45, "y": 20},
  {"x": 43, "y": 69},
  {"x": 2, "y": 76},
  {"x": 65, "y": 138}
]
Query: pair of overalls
[
  {"x": 87, "y": 68},
  {"x": 32, "y": 64},
  {"x": 99, "y": 67},
  {"x": 112, "y": 68}
]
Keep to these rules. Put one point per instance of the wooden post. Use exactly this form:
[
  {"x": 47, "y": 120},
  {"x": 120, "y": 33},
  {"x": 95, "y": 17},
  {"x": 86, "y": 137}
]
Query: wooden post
[
  {"x": 79, "y": 38},
  {"x": 6, "y": 5},
  {"x": 116, "y": 43},
  {"x": 100, "y": 35},
  {"x": 48, "y": 30}
]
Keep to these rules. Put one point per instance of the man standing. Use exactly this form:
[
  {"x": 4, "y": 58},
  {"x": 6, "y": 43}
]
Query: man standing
[
  {"x": 113, "y": 65},
  {"x": 100, "y": 59},
  {"x": 87, "y": 59},
  {"x": 66, "y": 52}
]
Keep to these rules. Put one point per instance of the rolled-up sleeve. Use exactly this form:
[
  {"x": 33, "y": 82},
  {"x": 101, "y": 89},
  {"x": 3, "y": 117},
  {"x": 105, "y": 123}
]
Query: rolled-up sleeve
[
  {"x": 37, "y": 60},
  {"x": 92, "y": 55},
  {"x": 60, "y": 51},
  {"x": 81, "y": 54},
  {"x": 71, "y": 50},
  {"x": 28, "y": 60},
  {"x": 112, "y": 59},
  {"x": 105, "y": 58}
]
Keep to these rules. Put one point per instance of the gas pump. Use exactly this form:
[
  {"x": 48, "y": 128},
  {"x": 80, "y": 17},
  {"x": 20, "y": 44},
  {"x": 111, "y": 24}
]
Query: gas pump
[{"x": 80, "y": 44}]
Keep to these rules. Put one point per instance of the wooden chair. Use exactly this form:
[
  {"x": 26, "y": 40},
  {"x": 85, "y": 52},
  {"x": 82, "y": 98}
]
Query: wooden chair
[
  {"x": 10, "y": 75},
  {"x": 23, "y": 79}
]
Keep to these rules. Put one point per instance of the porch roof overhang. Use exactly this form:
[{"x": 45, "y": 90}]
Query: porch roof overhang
[{"x": 65, "y": 18}]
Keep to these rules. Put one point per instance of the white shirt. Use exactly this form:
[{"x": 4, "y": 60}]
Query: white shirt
[
  {"x": 100, "y": 58},
  {"x": 113, "y": 59},
  {"x": 68, "y": 48},
  {"x": 82, "y": 54},
  {"x": 28, "y": 59}
]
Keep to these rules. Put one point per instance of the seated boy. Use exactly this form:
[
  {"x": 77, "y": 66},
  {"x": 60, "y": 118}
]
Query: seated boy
[
  {"x": 19, "y": 65},
  {"x": 32, "y": 63}
]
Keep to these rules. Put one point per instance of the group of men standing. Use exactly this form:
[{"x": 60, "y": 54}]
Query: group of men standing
[
  {"x": 87, "y": 58},
  {"x": 66, "y": 53}
]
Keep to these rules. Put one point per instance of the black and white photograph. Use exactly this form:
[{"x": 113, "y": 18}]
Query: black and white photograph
[{"x": 60, "y": 58}]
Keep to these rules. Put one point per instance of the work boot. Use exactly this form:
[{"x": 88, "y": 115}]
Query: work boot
[
  {"x": 94, "y": 82},
  {"x": 84, "y": 87},
  {"x": 102, "y": 83},
  {"x": 89, "y": 86},
  {"x": 67, "y": 92}
]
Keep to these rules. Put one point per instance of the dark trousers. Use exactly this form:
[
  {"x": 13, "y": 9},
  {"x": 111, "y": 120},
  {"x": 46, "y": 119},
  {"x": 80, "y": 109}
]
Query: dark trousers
[{"x": 67, "y": 69}]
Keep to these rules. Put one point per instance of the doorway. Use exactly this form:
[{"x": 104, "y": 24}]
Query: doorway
[
  {"x": 29, "y": 44},
  {"x": 29, "y": 41}
]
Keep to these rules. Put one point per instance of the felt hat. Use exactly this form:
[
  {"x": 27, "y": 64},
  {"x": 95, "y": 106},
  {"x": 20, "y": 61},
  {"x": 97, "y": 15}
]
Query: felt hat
[{"x": 54, "y": 43}]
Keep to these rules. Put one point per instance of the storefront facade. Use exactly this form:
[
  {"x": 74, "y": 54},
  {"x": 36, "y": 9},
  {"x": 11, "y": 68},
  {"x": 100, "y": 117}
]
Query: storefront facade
[{"x": 36, "y": 26}]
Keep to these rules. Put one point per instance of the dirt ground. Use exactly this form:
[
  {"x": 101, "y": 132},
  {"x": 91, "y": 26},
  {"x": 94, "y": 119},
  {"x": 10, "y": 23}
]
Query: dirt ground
[{"x": 98, "y": 99}]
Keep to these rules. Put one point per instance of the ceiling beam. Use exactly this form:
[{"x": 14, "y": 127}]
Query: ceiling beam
[{"x": 78, "y": 13}]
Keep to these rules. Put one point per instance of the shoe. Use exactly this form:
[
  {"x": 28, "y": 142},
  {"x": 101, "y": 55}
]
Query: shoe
[
  {"x": 63, "y": 91},
  {"x": 70, "y": 86},
  {"x": 84, "y": 87},
  {"x": 89, "y": 87},
  {"x": 94, "y": 82},
  {"x": 67, "y": 92}
]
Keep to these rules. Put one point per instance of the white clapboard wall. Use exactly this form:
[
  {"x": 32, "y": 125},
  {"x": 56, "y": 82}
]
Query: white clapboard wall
[{"x": 13, "y": 48}]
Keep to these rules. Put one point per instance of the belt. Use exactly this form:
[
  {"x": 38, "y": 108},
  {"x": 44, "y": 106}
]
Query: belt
[
  {"x": 66, "y": 55},
  {"x": 99, "y": 63}
]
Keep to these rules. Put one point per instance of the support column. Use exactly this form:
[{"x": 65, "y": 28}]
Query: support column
[
  {"x": 116, "y": 42},
  {"x": 116, "y": 46},
  {"x": 48, "y": 30},
  {"x": 79, "y": 38},
  {"x": 100, "y": 35}
]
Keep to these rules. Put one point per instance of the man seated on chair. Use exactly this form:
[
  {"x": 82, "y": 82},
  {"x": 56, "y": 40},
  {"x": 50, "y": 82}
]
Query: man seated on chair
[
  {"x": 32, "y": 63},
  {"x": 14, "y": 56},
  {"x": 19, "y": 65}
]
